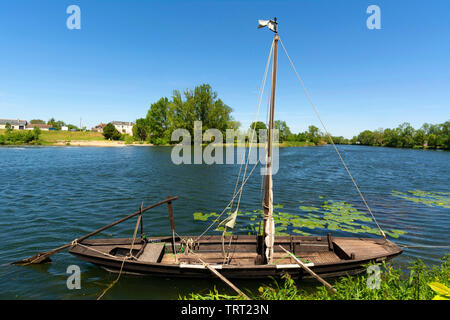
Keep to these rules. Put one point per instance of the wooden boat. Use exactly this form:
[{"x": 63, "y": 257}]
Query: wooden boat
[
  {"x": 326, "y": 256},
  {"x": 257, "y": 256}
]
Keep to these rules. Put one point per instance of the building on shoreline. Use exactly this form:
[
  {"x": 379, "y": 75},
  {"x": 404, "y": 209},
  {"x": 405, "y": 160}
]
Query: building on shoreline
[
  {"x": 45, "y": 127},
  {"x": 99, "y": 128},
  {"x": 15, "y": 124},
  {"x": 124, "y": 127}
]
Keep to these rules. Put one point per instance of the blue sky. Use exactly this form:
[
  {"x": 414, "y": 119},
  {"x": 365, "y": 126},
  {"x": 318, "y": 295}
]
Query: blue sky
[{"x": 128, "y": 54}]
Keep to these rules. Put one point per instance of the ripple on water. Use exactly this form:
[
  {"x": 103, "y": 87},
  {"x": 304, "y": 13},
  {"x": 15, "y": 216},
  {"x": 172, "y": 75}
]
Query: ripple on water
[{"x": 53, "y": 195}]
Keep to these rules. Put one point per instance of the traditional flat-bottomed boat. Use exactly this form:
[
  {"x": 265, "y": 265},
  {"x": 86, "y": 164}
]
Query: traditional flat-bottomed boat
[
  {"x": 326, "y": 256},
  {"x": 229, "y": 255}
]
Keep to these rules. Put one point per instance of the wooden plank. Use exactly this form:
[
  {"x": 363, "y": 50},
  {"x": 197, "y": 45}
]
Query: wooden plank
[
  {"x": 361, "y": 248},
  {"x": 152, "y": 253}
]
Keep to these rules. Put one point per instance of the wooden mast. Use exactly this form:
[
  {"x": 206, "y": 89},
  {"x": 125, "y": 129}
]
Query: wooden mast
[{"x": 269, "y": 225}]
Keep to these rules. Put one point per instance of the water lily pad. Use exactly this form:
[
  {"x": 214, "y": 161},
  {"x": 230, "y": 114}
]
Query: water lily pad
[{"x": 428, "y": 198}]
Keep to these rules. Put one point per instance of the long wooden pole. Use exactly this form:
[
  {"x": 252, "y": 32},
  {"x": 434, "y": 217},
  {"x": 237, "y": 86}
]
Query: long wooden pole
[
  {"x": 142, "y": 220},
  {"x": 268, "y": 192},
  {"x": 43, "y": 256},
  {"x": 221, "y": 277},
  {"x": 300, "y": 263},
  {"x": 172, "y": 226}
]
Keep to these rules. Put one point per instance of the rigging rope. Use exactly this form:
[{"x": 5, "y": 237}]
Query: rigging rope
[
  {"x": 229, "y": 203},
  {"x": 129, "y": 256},
  {"x": 253, "y": 132},
  {"x": 332, "y": 142},
  {"x": 244, "y": 158},
  {"x": 261, "y": 92}
]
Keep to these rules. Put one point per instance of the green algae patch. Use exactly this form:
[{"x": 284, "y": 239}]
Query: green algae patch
[
  {"x": 428, "y": 198},
  {"x": 329, "y": 216},
  {"x": 204, "y": 216}
]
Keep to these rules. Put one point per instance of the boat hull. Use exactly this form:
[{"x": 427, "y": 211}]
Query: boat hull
[{"x": 326, "y": 256}]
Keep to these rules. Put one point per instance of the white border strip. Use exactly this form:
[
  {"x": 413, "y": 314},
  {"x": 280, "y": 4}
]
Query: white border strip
[
  {"x": 198, "y": 266},
  {"x": 293, "y": 265}
]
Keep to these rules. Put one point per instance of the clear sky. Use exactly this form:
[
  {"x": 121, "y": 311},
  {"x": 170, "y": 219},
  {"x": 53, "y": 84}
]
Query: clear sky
[{"x": 128, "y": 54}]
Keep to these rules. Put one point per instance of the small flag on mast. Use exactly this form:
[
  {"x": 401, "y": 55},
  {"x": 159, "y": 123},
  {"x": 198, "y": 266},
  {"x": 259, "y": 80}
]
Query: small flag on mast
[
  {"x": 267, "y": 23},
  {"x": 230, "y": 221}
]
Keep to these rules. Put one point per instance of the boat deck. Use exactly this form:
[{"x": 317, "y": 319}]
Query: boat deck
[{"x": 326, "y": 256}]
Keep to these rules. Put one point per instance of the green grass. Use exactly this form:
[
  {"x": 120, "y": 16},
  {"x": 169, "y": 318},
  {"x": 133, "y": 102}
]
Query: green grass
[
  {"x": 50, "y": 137},
  {"x": 55, "y": 136},
  {"x": 419, "y": 283},
  {"x": 297, "y": 144}
]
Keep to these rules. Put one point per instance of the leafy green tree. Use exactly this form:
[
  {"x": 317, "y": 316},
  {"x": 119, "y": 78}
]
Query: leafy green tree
[
  {"x": 406, "y": 135},
  {"x": 284, "y": 130},
  {"x": 111, "y": 133},
  {"x": 340, "y": 140},
  {"x": 233, "y": 124},
  {"x": 445, "y": 133},
  {"x": 71, "y": 127},
  {"x": 200, "y": 104},
  {"x": 391, "y": 138},
  {"x": 419, "y": 138},
  {"x": 432, "y": 140},
  {"x": 367, "y": 138},
  {"x": 157, "y": 121},
  {"x": 37, "y": 121},
  {"x": 36, "y": 132},
  {"x": 56, "y": 124},
  {"x": 314, "y": 134},
  {"x": 141, "y": 130},
  {"x": 258, "y": 125}
]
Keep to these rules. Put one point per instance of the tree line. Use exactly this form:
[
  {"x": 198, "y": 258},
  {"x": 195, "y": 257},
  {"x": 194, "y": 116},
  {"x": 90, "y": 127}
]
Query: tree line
[
  {"x": 203, "y": 104},
  {"x": 429, "y": 136}
]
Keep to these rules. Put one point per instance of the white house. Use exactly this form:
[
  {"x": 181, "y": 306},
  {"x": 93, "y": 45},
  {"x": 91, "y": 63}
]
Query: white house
[
  {"x": 64, "y": 128},
  {"x": 15, "y": 124},
  {"x": 124, "y": 127}
]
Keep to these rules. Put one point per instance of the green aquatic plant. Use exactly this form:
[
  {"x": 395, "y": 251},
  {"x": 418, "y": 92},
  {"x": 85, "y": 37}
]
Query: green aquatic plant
[
  {"x": 428, "y": 198},
  {"x": 303, "y": 208},
  {"x": 204, "y": 216},
  {"x": 330, "y": 215}
]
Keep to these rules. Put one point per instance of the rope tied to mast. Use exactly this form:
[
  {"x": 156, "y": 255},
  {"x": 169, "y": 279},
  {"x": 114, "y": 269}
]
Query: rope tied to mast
[
  {"x": 332, "y": 142},
  {"x": 238, "y": 191}
]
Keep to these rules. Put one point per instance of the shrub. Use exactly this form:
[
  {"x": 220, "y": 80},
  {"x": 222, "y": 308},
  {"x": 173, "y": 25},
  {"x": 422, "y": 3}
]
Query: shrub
[
  {"x": 395, "y": 284},
  {"x": 110, "y": 132}
]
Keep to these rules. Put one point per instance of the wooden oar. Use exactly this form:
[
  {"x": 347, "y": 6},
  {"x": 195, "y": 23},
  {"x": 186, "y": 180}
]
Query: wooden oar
[
  {"x": 300, "y": 263},
  {"x": 44, "y": 256},
  {"x": 221, "y": 277}
]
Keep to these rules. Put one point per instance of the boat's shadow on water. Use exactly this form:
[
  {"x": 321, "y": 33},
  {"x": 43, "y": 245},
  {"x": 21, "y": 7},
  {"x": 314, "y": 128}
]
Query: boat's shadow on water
[{"x": 135, "y": 287}]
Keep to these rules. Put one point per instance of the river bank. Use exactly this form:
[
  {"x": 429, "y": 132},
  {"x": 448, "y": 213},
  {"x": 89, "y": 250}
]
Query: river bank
[{"x": 420, "y": 283}]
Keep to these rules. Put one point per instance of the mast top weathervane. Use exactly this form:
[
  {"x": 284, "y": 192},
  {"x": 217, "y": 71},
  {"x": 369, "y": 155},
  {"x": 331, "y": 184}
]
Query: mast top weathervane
[{"x": 271, "y": 24}]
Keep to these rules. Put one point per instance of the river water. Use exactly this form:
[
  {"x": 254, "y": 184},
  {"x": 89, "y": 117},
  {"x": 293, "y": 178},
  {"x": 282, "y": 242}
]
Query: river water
[{"x": 51, "y": 195}]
